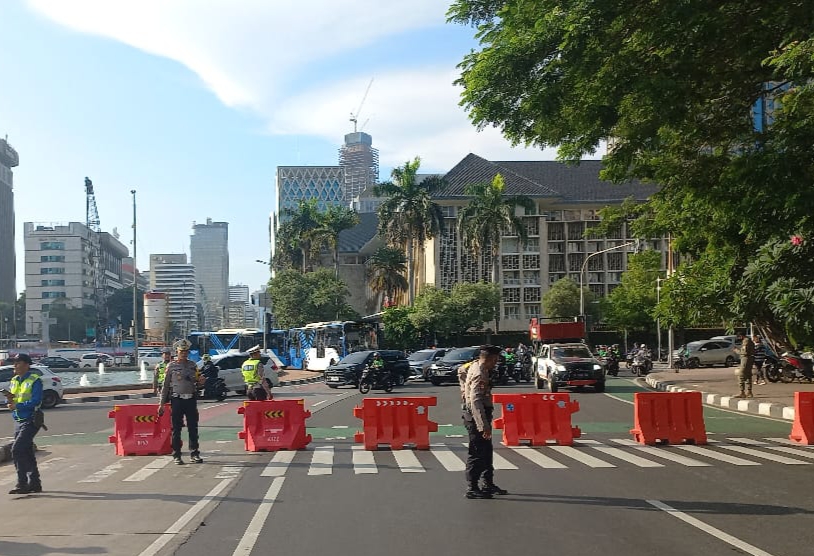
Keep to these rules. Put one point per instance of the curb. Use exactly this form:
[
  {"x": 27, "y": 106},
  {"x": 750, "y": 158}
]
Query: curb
[
  {"x": 144, "y": 395},
  {"x": 766, "y": 409}
]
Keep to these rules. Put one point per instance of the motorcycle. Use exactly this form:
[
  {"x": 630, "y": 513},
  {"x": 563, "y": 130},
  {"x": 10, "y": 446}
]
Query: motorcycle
[
  {"x": 379, "y": 379},
  {"x": 213, "y": 389},
  {"x": 641, "y": 365},
  {"x": 521, "y": 370},
  {"x": 772, "y": 368},
  {"x": 500, "y": 374},
  {"x": 612, "y": 364},
  {"x": 795, "y": 367},
  {"x": 629, "y": 360}
]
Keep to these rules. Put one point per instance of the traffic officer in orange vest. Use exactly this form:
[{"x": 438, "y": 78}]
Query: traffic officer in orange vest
[
  {"x": 24, "y": 401},
  {"x": 257, "y": 387},
  {"x": 179, "y": 389}
]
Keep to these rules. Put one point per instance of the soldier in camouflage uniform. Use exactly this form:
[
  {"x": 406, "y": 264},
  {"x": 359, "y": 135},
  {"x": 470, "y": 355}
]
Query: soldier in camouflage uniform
[{"x": 747, "y": 353}]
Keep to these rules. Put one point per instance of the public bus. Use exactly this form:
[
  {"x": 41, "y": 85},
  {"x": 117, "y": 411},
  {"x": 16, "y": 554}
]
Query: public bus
[
  {"x": 240, "y": 339},
  {"x": 328, "y": 342}
]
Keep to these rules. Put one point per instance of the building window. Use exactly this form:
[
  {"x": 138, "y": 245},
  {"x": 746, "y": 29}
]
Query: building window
[
  {"x": 511, "y": 312},
  {"x": 531, "y": 278},
  {"x": 511, "y": 262},
  {"x": 45, "y": 306},
  {"x": 552, "y": 277},
  {"x": 556, "y": 232},
  {"x": 52, "y": 295},
  {"x": 448, "y": 212},
  {"x": 531, "y": 262},
  {"x": 556, "y": 263},
  {"x": 597, "y": 289},
  {"x": 511, "y": 295},
  {"x": 49, "y": 245},
  {"x": 555, "y": 247},
  {"x": 532, "y": 226},
  {"x": 532, "y": 311},
  {"x": 52, "y": 270},
  {"x": 575, "y": 247},
  {"x": 615, "y": 261},
  {"x": 531, "y": 294},
  {"x": 575, "y": 261},
  {"x": 532, "y": 245},
  {"x": 52, "y": 258},
  {"x": 52, "y": 282},
  {"x": 510, "y": 245},
  {"x": 511, "y": 278},
  {"x": 571, "y": 215}
]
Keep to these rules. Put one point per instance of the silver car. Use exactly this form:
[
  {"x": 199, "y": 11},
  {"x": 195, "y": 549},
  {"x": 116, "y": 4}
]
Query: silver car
[
  {"x": 231, "y": 364},
  {"x": 52, "y": 388},
  {"x": 421, "y": 360},
  {"x": 711, "y": 352}
]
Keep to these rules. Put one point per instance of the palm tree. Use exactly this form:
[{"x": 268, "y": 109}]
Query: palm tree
[
  {"x": 332, "y": 222},
  {"x": 487, "y": 217},
  {"x": 303, "y": 223},
  {"x": 388, "y": 267},
  {"x": 408, "y": 216}
]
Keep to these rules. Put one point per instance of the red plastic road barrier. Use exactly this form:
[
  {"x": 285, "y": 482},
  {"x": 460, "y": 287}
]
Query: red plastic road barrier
[
  {"x": 273, "y": 425},
  {"x": 139, "y": 431},
  {"x": 395, "y": 422},
  {"x": 668, "y": 418},
  {"x": 537, "y": 418},
  {"x": 802, "y": 431}
]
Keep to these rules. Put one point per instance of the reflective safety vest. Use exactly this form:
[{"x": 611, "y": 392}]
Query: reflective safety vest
[
  {"x": 22, "y": 389},
  {"x": 251, "y": 371},
  {"x": 160, "y": 370}
]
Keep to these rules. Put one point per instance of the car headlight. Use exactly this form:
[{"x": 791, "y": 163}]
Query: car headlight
[
  {"x": 560, "y": 368},
  {"x": 597, "y": 367},
  {"x": 433, "y": 367}
]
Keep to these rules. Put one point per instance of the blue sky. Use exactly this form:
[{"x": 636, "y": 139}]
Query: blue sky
[{"x": 194, "y": 105}]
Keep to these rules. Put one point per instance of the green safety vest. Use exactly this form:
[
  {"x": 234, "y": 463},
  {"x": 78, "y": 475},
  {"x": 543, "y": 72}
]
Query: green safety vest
[
  {"x": 161, "y": 370},
  {"x": 250, "y": 370},
  {"x": 22, "y": 389}
]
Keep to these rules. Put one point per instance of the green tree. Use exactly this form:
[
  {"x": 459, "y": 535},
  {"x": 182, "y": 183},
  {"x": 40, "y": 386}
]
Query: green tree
[
  {"x": 562, "y": 300},
  {"x": 399, "y": 331},
  {"x": 631, "y": 306},
  {"x": 675, "y": 85},
  {"x": 471, "y": 305},
  {"x": 388, "y": 267},
  {"x": 408, "y": 217},
  {"x": 312, "y": 297},
  {"x": 332, "y": 222},
  {"x": 430, "y": 314},
  {"x": 303, "y": 225},
  {"x": 71, "y": 322},
  {"x": 287, "y": 253},
  {"x": 120, "y": 307}
]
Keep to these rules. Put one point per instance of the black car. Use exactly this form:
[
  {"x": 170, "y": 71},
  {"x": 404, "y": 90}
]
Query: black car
[
  {"x": 446, "y": 368},
  {"x": 349, "y": 370},
  {"x": 58, "y": 362}
]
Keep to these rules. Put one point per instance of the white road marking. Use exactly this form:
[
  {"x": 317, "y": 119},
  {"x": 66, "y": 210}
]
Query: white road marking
[
  {"x": 12, "y": 478},
  {"x": 625, "y": 456},
  {"x": 230, "y": 471},
  {"x": 536, "y": 457},
  {"x": 278, "y": 464},
  {"x": 106, "y": 472},
  {"x": 212, "y": 405},
  {"x": 498, "y": 461},
  {"x": 749, "y": 441},
  {"x": 322, "y": 461},
  {"x": 790, "y": 443},
  {"x": 581, "y": 456},
  {"x": 182, "y": 521},
  {"x": 447, "y": 458},
  {"x": 408, "y": 461},
  {"x": 765, "y": 455},
  {"x": 712, "y": 454},
  {"x": 363, "y": 462},
  {"x": 318, "y": 403},
  {"x": 249, "y": 539},
  {"x": 339, "y": 427},
  {"x": 661, "y": 453},
  {"x": 152, "y": 467},
  {"x": 709, "y": 529}
]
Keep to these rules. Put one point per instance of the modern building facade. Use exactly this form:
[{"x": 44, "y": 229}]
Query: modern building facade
[
  {"x": 360, "y": 165},
  {"x": 8, "y": 262},
  {"x": 240, "y": 313},
  {"x": 209, "y": 253},
  {"x": 173, "y": 275},
  {"x": 129, "y": 271}
]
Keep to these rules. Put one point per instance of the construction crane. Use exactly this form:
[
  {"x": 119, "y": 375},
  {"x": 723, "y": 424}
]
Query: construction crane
[
  {"x": 94, "y": 258},
  {"x": 354, "y": 117}
]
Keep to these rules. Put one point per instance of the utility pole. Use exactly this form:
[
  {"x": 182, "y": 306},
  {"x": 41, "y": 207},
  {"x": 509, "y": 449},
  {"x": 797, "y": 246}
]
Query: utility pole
[{"x": 135, "y": 288}]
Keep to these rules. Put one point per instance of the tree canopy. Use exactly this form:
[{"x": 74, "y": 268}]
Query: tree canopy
[
  {"x": 632, "y": 304},
  {"x": 311, "y": 297},
  {"x": 562, "y": 300}
]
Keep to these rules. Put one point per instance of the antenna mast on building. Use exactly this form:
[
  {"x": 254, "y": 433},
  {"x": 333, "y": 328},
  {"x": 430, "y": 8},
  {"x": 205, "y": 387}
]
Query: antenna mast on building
[
  {"x": 354, "y": 116},
  {"x": 94, "y": 258}
]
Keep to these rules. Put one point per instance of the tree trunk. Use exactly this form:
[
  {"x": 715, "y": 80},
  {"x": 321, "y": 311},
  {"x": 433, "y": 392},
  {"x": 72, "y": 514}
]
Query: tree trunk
[
  {"x": 495, "y": 281},
  {"x": 410, "y": 273},
  {"x": 336, "y": 259}
]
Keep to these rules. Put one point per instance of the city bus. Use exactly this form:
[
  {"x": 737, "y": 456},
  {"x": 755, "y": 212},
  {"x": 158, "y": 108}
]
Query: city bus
[
  {"x": 331, "y": 341},
  {"x": 240, "y": 339}
]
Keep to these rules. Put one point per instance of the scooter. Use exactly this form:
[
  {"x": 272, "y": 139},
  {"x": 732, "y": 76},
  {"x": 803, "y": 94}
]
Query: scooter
[
  {"x": 213, "y": 389},
  {"x": 375, "y": 378},
  {"x": 522, "y": 370},
  {"x": 795, "y": 367},
  {"x": 641, "y": 365},
  {"x": 612, "y": 364}
]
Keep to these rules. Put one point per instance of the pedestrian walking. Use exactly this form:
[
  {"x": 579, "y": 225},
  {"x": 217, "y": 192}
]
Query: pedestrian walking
[
  {"x": 747, "y": 353},
  {"x": 254, "y": 376},
  {"x": 760, "y": 357},
  {"x": 180, "y": 389},
  {"x": 24, "y": 400},
  {"x": 477, "y": 416}
]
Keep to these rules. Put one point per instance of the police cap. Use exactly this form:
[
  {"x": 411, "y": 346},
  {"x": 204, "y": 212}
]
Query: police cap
[{"x": 489, "y": 349}]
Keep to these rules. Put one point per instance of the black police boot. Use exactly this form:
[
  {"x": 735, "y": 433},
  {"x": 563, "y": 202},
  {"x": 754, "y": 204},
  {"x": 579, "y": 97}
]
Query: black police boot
[
  {"x": 492, "y": 488},
  {"x": 474, "y": 492}
]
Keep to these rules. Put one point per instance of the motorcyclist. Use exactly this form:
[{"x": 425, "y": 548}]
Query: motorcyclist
[
  {"x": 509, "y": 356},
  {"x": 210, "y": 372},
  {"x": 645, "y": 354}
]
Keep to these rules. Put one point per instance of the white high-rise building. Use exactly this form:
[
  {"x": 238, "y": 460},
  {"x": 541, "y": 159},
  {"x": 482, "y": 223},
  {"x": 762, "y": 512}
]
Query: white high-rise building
[
  {"x": 209, "y": 253},
  {"x": 173, "y": 275},
  {"x": 8, "y": 263}
]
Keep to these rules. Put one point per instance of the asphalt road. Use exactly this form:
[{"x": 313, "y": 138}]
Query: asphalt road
[{"x": 741, "y": 494}]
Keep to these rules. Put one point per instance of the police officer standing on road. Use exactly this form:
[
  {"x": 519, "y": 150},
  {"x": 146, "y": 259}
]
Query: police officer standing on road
[
  {"x": 257, "y": 388},
  {"x": 179, "y": 389},
  {"x": 24, "y": 401},
  {"x": 160, "y": 369},
  {"x": 478, "y": 421}
]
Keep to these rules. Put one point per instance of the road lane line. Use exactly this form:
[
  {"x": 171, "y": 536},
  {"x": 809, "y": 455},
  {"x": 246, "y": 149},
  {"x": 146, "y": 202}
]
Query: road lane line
[
  {"x": 765, "y": 455},
  {"x": 252, "y": 533},
  {"x": 322, "y": 461},
  {"x": 106, "y": 472},
  {"x": 712, "y": 454},
  {"x": 538, "y": 458},
  {"x": 447, "y": 458},
  {"x": 638, "y": 461},
  {"x": 363, "y": 462},
  {"x": 408, "y": 461},
  {"x": 182, "y": 521},
  {"x": 661, "y": 453},
  {"x": 709, "y": 529},
  {"x": 581, "y": 456},
  {"x": 279, "y": 464},
  {"x": 152, "y": 467},
  {"x": 318, "y": 403}
]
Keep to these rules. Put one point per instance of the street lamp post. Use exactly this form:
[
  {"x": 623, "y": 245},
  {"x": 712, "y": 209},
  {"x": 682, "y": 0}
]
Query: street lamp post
[
  {"x": 582, "y": 272},
  {"x": 265, "y": 293},
  {"x": 659, "y": 280}
]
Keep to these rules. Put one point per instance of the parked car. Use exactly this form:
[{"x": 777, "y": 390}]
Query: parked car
[
  {"x": 421, "y": 360},
  {"x": 150, "y": 358},
  {"x": 446, "y": 368},
  {"x": 93, "y": 359},
  {"x": 349, "y": 369},
  {"x": 711, "y": 352},
  {"x": 568, "y": 365},
  {"x": 57, "y": 362},
  {"x": 51, "y": 384},
  {"x": 231, "y": 364}
]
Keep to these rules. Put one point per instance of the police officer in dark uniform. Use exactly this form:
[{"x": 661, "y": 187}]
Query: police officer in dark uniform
[{"x": 478, "y": 421}]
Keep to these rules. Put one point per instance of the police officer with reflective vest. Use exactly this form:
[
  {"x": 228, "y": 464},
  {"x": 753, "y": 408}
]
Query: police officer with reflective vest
[
  {"x": 24, "y": 400},
  {"x": 160, "y": 369},
  {"x": 254, "y": 376},
  {"x": 179, "y": 389}
]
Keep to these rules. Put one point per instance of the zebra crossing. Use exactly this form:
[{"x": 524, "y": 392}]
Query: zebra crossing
[{"x": 327, "y": 460}]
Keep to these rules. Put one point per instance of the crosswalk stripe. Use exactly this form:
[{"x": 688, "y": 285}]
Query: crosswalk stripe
[
  {"x": 764, "y": 455},
  {"x": 581, "y": 456},
  {"x": 540, "y": 459},
  {"x": 12, "y": 478},
  {"x": 363, "y": 461},
  {"x": 749, "y": 441},
  {"x": 322, "y": 461},
  {"x": 791, "y": 443},
  {"x": 279, "y": 464},
  {"x": 152, "y": 467},
  {"x": 661, "y": 453},
  {"x": 408, "y": 462},
  {"x": 498, "y": 461},
  {"x": 106, "y": 472},
  {"x": 793, "y": 451},
  {"x": 625, "y": 456},
  {"x": 712, "y": 454},
  {"x": 445, "y": 457}
]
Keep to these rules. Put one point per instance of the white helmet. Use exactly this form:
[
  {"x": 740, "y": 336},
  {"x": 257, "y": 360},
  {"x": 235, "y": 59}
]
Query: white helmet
[{"x": 643, "y": 346}]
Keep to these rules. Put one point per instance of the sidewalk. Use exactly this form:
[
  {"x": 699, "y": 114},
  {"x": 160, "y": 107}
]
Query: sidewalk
[
  {"x": 138, "y": 391},
  {"x": 719, "y": 386}
]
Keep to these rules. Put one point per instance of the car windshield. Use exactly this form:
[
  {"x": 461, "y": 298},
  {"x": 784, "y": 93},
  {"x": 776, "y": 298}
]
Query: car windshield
[
  {"x": 571, "y": 352},
  {"x": 357, "y": 357},
  {"x": 421, "y": 355},
  {"x": 460, "y": 354}
]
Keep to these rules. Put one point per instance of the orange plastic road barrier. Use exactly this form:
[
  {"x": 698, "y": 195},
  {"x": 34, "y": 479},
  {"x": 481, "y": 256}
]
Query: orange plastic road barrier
[
  {"x": 537, "y": 418},
  {"x": 395, "y": 422},
  {"x": 668, "y": 418},
  {"x": 139, "y": 431},
  {"x": 802, "y": 431},
  {"x": 273, "y": 425}
]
